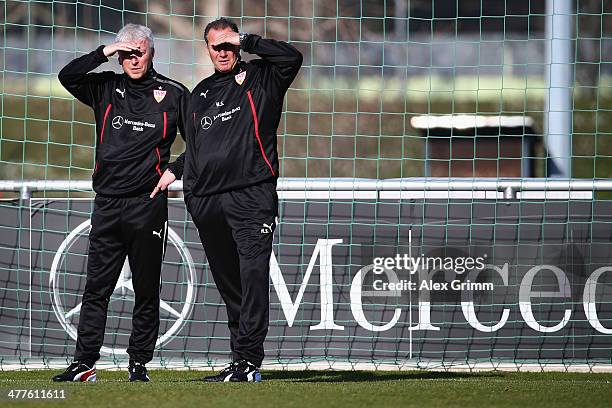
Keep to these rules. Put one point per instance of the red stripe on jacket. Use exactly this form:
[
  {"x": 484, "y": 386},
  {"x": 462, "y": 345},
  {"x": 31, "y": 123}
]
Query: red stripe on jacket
[
  {"x": 158, "y": 161},
  {"x": 157, "y": 168},
  {"x": 104, "y": 122},
  {"x": 254, "y": 111}
]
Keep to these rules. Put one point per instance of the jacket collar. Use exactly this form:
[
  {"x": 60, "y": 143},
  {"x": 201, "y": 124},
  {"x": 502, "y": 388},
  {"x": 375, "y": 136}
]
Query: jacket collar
[
  {"x": 240, "y": 66},
  {"x": 147, "y": 79}
]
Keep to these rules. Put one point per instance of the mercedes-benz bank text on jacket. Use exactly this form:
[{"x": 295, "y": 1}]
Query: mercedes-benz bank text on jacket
[
  {"x": 136, "y": 123},
  {"x": 234, "y": 118}
]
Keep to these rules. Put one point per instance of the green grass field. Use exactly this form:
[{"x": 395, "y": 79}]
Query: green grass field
[{"x": 324, "y": 389}]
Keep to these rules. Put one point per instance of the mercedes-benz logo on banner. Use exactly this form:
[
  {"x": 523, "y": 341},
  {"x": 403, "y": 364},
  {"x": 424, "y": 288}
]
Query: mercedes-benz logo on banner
[
  {"x": 206, "y": 122},
  {"x": 117, "y": 122},
  {"x": 124, "y": 290}
]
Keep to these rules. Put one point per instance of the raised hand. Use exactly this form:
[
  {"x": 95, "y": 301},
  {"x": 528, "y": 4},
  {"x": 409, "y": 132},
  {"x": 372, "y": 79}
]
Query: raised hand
[
  {"x": 128, "y": 46},
  {"x": 229, "y": 38}
]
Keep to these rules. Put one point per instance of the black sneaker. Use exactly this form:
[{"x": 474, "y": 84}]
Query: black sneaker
[
  {"x": 77, "y": 371},
  {"x": 223, "y": 376},
  {"x": 138, "y": 372},
  {"x": 245, "y": 371}
]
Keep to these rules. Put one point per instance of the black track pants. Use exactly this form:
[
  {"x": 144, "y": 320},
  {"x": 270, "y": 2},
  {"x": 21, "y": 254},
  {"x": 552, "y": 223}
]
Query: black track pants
[
  {"x": 136, "y": 227},
  {"x": 236, "y": 229}
]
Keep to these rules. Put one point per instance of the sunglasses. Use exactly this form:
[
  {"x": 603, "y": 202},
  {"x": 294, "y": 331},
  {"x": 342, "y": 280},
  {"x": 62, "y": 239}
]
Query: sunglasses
[
  {"x": 224, "y": 46},
  {"x": 129, "y": 54}
]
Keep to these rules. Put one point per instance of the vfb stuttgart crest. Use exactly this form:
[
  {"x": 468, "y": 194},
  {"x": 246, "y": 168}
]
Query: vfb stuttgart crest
[
  {"x": 240, "y": 77},
  {"x": 159, "y": 95},
  {"x": 67, "y": 282}
]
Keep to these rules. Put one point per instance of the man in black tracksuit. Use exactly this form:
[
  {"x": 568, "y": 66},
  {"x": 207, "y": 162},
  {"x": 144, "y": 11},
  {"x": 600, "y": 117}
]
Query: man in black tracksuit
[
  {"x": 231, "y": 168},
  {"x": 137, "y": 114}
]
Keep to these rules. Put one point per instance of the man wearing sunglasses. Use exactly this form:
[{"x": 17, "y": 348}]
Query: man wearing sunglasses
[
  {"x": 137, "y": 115},
  {"x": 231, "y": 168}
]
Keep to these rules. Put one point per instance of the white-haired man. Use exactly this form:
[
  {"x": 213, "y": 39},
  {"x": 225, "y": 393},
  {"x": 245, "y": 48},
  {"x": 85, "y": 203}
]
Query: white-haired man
[{"x": 137, "y": 115}]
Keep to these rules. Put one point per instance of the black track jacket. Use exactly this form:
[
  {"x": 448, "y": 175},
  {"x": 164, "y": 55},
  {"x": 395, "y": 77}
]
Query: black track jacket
[
  {"x": 234, "y": 117},
  {"x": 136, "y": 123}
]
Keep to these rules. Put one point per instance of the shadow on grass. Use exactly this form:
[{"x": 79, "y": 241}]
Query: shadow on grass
[
  {"x": 368, "y": 376},
  {"x": 329, "y": 376},
  {"x": 306, "y": 376}
]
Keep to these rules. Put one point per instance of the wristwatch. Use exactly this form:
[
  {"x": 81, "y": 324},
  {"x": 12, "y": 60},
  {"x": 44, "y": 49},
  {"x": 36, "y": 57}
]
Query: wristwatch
[{"x": 242, "y": 37}]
